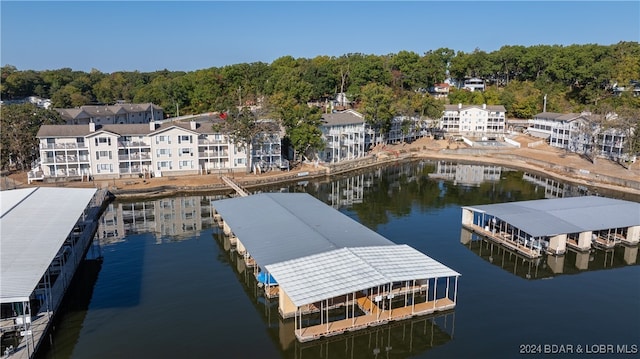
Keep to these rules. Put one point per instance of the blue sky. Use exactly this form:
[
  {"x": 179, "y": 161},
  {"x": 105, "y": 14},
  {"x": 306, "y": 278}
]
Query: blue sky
[{"x": 186, "y": 36}]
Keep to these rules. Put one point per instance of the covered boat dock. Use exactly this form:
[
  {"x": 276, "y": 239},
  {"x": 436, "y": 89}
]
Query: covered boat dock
[
  {"x": 332, "y": 274},
  {"x": 553, "y": 225},
  {"x": 45, "y": 233}
]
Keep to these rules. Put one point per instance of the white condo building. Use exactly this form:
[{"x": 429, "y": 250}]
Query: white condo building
[
  {"x": 130, "y": 150},
  {"x": 474, "y": 120},
  {"x": 577, "y": 133},
  {"x": 346, "y": 136}
]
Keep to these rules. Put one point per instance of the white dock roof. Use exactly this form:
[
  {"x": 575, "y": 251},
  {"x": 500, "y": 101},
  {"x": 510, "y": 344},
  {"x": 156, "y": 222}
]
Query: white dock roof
[
  {"x": 549, "y": 217},
  {"x": 34, "y": 223},
  {"x": 343, "y": 271}
]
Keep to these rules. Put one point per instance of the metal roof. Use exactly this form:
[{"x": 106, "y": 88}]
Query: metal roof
[
  {"x": 276, "y": 227},
  {"x": 33, "y": 227},
  {"x": 549, "y": 217},
  {"x": 322, "y": 276}
]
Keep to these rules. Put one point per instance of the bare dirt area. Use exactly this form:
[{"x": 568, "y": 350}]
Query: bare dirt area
[{"x": 541, "y": 158}]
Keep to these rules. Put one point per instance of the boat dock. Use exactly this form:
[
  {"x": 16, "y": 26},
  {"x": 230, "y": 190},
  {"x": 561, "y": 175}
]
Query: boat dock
[
  {"x": 552, "y": 225},
  {"x": 40, "y": 258},
  {"x": 329, "y": 272}
]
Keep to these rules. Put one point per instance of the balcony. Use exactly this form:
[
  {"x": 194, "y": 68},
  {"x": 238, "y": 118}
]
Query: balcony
[
  {"x": 136, "y": 156},
  {"x": 59, "y": 146},
  {"x": 208, "y": 153},
  {"x": 211, "y": 142},
  {"x": 129, "y": 144}
]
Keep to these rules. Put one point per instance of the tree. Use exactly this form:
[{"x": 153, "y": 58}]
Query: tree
[
  {"x": 242, "y": 127},
  {"x": 376, "y": 107},
  {"x": 19, "y": 125}
]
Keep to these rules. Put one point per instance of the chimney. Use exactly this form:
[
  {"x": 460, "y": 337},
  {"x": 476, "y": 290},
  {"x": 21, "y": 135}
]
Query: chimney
[
  {"x": 92, "y": 127},
  {"x": 484, "y": 106},
  {"x": 193, "y": 125},
  {"x": 459, "y": 106},
  {"x": 152, "y": 125}
]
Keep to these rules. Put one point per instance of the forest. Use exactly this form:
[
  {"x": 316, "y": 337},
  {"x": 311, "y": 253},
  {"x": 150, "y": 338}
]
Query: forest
[{"x": 573, "y": 78}]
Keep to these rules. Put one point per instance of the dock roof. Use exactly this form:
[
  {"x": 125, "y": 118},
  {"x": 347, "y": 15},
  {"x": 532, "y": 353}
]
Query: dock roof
[
  {"x": 316, "y": 252},
  {"x": 34, "y": 223},
  {"x": 549, "y": 217},
  {"x": 342, "y": 271},
  {"x": 275, "y": 227}
]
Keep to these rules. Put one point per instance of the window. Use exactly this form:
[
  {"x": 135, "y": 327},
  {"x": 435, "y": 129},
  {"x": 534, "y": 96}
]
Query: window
[
  {"x": 103, "y": 154},
  {"x": 163, "y": 152},
  {"x": 100, "y": 140},
  {"x": 184, "y": 138},
  {"x": 185, "y": 152},
  {"x": 164, "y": 165},
  {"x": 186, "y": 164},
  {"x": 51, "y": 141},
  {"x": 105, "y": 167}
]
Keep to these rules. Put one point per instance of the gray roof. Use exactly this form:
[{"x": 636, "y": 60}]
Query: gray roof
[
  {"x": 342, "y": 271},
  {"x": 498, "y": 108},
  {"x": 276, "y": 227},
  {"x": 34, "y": 225},
  {"x": 558, "y": 116},
  {"x": 120, "y": 129},
  {"x": 347, "y": 117},
  {"x": 549, "y": 217}
]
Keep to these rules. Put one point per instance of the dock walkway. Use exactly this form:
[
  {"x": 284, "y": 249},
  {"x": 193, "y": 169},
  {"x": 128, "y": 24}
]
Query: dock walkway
[
  {"x": 504, "y": 240},
  {"x": 375, "y": 316}
]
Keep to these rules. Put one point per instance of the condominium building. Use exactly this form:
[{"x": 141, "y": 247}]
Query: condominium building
[
  {"x": 578, "y": 133},
  {"x": 346, "y": 136},
  {"x": 140, "y": 150},
  {"x": 474, "y": 120}
]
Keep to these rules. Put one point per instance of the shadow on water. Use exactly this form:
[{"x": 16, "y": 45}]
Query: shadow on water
[
  {"x": 73, "y": 310},
  {"x": 399, "y": 339}
]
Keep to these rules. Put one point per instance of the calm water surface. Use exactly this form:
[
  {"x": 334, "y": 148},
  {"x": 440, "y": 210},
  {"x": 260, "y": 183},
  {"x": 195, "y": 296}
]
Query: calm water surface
[{"x": 166, "y": 287}]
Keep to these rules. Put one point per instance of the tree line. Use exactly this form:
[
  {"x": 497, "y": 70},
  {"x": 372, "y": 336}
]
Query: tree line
[{"x": 574, "y": 78}]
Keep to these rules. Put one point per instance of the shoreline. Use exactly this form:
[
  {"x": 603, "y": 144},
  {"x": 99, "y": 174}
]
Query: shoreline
[{"x": 604, "y": 176}]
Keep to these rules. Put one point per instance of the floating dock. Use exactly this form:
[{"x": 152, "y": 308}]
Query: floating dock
[
  {"x": 550, "y": 226},
  {"x": 329, "y": 272},
  {"x": 46, "y": 233}
]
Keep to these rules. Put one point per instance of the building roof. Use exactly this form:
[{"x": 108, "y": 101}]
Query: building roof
[
  {"x": 347, "y": 117},
  {"x": 134, "y": 129},
  {"x": 34, "y": 223},
  {"x": 342, "y": 271},
  {"x": 558, "y": 116},
  {"x": 496, "y": 108},
  {"x": 88, "y": 111},
  {"x": 549, "y": 217},
  {"x": 276, "y": 227}
]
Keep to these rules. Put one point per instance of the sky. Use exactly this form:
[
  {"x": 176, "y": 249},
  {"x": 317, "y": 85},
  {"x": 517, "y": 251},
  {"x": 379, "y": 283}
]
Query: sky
[{"x": 148, "y": 36}]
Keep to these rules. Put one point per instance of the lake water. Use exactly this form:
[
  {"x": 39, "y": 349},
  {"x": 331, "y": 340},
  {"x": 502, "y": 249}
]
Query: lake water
[{"x": 166, "y": 287}]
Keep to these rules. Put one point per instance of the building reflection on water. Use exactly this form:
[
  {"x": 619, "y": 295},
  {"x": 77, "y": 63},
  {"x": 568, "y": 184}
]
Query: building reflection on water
[
  {"x": 169, "y": 219},
  {"x": 466, "y": 174},
  {"x": 548, "y": 266},
  {"x": 556, "y": 189}
]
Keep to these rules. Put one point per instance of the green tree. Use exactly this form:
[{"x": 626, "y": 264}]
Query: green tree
[
  {"x": 376, "y": 106},
  {"x": 242, "y": 127},
  {"x": 19, "y": 125}
]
